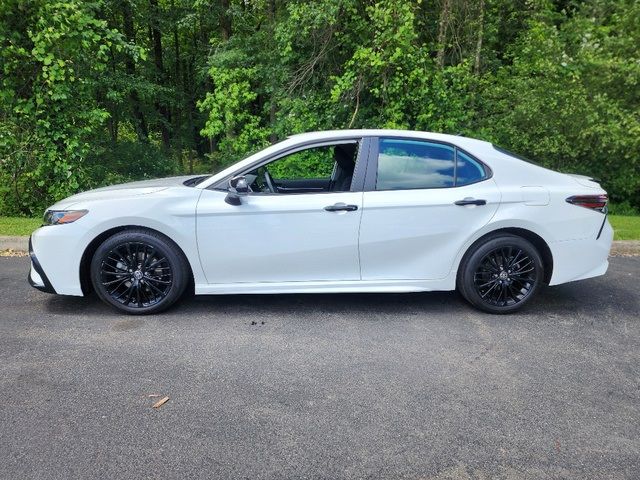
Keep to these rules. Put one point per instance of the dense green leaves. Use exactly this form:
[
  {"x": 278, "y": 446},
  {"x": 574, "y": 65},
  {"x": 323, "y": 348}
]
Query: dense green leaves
[
  {"x": 52, "y": 53},
  {"x": 113, "y": 90}
]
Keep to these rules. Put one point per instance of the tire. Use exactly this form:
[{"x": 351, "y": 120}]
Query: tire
[
  {"x": 139, "y": 272},
  {"x": 500, "y": 274}
]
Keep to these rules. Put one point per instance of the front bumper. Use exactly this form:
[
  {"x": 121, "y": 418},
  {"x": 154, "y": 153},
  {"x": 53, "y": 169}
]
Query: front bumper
[{"x": 37, "y": 278}]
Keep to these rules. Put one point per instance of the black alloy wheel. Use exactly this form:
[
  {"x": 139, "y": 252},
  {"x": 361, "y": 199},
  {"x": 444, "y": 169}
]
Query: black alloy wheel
[
  {"x": 505, "y": 276},
  {"x": 501, "y": 274},
  {"x": 139, "y": 271}
]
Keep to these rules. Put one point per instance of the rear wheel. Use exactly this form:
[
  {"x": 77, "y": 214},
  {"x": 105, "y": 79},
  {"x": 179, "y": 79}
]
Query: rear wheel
[
  {"x": 501, "y": 274},
  {"x": 139, "y": 272}
]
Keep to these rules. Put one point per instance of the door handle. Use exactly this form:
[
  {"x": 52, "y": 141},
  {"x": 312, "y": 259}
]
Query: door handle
[
  {"x": 341, "y": 207},
  {"x": 470, "y": 201}
]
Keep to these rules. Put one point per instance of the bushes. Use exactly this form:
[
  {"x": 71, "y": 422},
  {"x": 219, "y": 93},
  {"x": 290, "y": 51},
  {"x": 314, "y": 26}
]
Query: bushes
[
  {"x": 126, "y": 161},
  {"x": 107, "y": 91}
]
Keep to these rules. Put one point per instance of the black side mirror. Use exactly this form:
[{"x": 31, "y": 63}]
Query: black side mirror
[{"x": 238, "y": 187}]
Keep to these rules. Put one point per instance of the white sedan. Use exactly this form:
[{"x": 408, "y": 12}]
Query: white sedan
[{"x": 328, "y": 212}]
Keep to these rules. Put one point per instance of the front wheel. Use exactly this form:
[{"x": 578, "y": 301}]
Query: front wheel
[
  {"x": 501, "y": 274},
  {"x": 139, "y": 272}
]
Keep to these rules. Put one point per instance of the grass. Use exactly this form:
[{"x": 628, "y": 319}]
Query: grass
[
  {"x": 626, "y": 227},
  {"x": 15, "y": 226}
]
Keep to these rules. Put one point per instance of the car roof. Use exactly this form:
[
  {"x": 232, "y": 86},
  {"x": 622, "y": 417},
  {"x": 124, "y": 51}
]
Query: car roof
[{"x": 459, "y": 140}]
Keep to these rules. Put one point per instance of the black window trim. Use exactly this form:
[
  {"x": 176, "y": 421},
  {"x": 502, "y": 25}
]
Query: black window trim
[
  {"x": 372, "y": 165},
  {"x": 357, "y": 182}
]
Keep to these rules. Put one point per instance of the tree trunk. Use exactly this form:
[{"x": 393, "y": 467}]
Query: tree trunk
[
  {"x": 480, "y": 35},
  {"x": 272, "y": 100},
  {"x": 156, "y": 40},
  {"x": 130, "y": 67},
  {"x": 443, "y": 23},
  {"x": 225, "y": 21}
]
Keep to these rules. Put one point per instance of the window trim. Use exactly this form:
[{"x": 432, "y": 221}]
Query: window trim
[
  {"x": 372, "y": 165},
  {"x": 357, "y": 181}
]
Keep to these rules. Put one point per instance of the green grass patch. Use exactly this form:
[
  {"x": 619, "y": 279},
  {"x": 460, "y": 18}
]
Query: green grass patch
[
  {"x": 17, "y": 226},
  {"x": 626, "y": 227}
]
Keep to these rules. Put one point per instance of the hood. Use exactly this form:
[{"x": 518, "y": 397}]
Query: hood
[{"x": 143, "y": 187}]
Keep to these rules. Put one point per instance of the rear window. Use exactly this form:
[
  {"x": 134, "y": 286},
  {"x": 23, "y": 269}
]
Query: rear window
[
  {"x": 468, "y": 170},
  {"x": 515, "y": 155}
]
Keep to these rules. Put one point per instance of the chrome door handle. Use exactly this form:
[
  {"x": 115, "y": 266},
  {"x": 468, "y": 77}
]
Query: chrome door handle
[
  {"x": 470, "y": 201},
  {"x": 341, "y": 207}
]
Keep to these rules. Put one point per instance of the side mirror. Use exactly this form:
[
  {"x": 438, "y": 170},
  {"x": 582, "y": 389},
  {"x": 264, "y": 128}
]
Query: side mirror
[{"x": 238, "y": 187}]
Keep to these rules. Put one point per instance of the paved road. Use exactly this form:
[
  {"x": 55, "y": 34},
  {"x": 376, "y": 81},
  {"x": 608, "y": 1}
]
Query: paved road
[{"x": 342, "y": 386}]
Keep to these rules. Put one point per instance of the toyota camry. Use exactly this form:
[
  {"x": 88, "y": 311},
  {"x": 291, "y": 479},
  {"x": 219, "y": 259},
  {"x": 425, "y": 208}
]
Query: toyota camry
[{"x": 329, "y": 212}]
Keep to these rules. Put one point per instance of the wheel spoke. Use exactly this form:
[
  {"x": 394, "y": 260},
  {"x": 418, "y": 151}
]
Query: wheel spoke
[
  {"x": 138, "y": 294},
  {"x": 160, "y": 292},
  {"x": 148, "y": 255},
  {"x": 514, "y": 260},
  {"x": 487, "y": 292},
  {"x": 122, "y": 282},
  {"x": 111, "y": 282},
  {"x": 161, "y": 282},
  {"x": 156, "y": 262},
  {"x": 117, "y": 261},
  {"x": 128, "y": 294},
  {"x": 486, "y": 284},
  {"x": 129, "y": 255},
  {"x": 514, "y": 293}
]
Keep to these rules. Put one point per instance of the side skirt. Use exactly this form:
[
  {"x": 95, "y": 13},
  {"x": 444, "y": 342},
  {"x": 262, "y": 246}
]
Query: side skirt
[{"x": 354, "y": 286}]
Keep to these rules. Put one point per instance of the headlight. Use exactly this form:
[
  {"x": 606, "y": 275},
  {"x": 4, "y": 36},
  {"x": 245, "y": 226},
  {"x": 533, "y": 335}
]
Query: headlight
[{"x": 58, "y": 217}]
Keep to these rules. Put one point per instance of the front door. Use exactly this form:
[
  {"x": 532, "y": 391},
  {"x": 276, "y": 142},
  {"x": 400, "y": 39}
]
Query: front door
[{"x": 300, "y": 222}]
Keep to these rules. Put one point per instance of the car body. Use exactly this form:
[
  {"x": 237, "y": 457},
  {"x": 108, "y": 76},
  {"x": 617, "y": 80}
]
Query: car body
[{"x": 402, "y": 218}]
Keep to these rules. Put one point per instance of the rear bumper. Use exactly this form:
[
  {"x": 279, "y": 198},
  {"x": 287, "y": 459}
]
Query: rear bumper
[
  {"x": 37, "y": 278},
  {"x": 584, "y": 258}
]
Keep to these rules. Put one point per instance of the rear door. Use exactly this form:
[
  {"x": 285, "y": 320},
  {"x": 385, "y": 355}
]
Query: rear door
[{"x": 422, "y": 201}]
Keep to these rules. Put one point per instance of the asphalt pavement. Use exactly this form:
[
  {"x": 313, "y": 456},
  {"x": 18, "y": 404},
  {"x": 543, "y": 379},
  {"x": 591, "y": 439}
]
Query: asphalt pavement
[{"x": 414, "y": 386}]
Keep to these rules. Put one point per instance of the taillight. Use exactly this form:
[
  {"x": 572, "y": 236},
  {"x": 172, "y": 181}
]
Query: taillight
[{"x": 594, "y": 202}]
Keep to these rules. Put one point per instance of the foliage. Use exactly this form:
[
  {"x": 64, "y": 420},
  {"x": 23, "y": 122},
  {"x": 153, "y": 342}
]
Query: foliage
[
  {"x": 114, "y": 90},
  {"x": 50, "y": 58},
  {"x": 110, "y": 163},
  {"x": 311, "y": 163}
]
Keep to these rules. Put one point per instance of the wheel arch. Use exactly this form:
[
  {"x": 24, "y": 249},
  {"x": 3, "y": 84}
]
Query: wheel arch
[
  {"x": 538, "y": 242},
  {"x": 90, "y": 250}
]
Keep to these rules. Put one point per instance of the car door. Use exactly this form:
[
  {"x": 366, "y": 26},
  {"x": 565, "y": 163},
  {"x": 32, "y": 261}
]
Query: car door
[
  {"x": 304, "y": 232},
  {"x": 422, "y": 202}
]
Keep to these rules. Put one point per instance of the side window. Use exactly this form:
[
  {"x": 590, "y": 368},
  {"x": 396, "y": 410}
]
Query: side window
[
  {"x": 327, "y": 168},
  {"x": 311, "y": 163},
  {"x": 414, "y": 164},
  {"x": 468, "y": 170}
]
